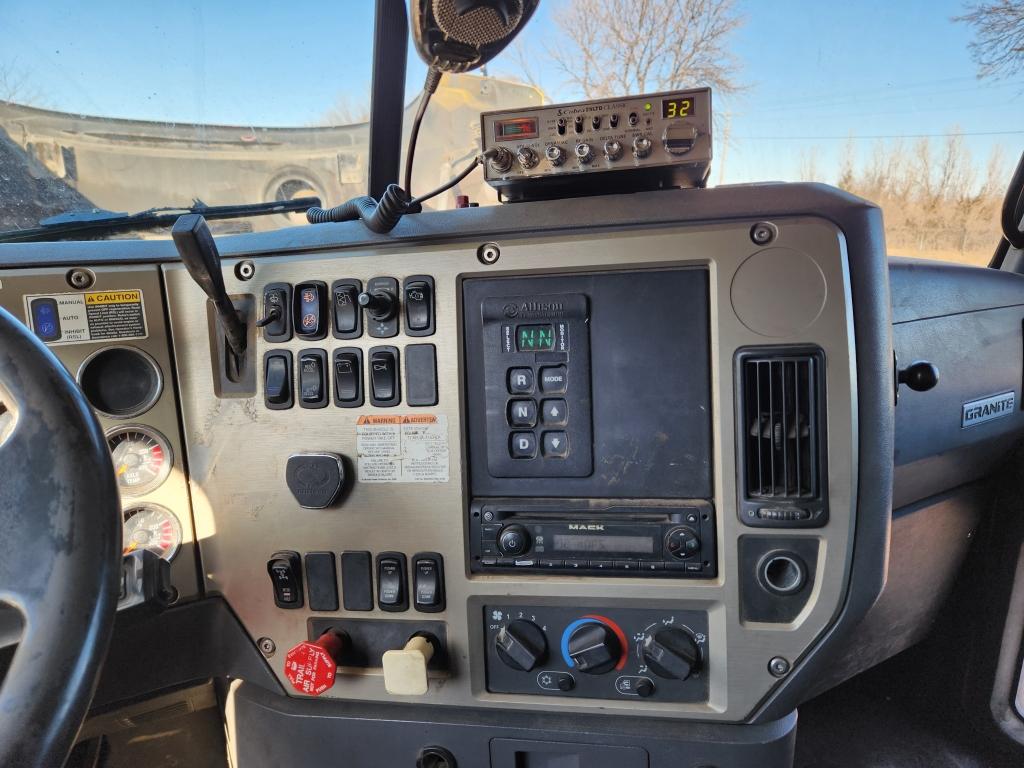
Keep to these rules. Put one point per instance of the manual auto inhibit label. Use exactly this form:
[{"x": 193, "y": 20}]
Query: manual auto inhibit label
[
  {"x": 986, "y": 409},
  {"x": 402, "y": 449},
  {"x": 73, "y": 318}
]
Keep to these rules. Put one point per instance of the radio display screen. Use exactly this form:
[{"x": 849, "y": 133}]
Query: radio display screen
[
  {"x": 681, "y": 107},
  {"x": 634, "y": 544},
  {"x": 516, "y": 128}
]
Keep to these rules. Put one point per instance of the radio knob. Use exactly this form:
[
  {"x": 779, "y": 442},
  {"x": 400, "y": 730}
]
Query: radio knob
[
  {"x": 555, "y": 155},
  {"x": 594, "y": 648},
  {"x": 641, "y": 147},
  {"x": 513, "y": 540},
  {"x": 671, "y": 653},
  {"x": 521, "y": 645},
  {"x": 613, "y": 149},
  {"x": 584, "y": 153},
  {"x": 502, "y": 160},
  {"x": 527, "y": 158}
]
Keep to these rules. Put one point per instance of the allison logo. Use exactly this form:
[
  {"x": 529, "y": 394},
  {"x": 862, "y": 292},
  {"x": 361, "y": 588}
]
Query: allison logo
[
  {"x": 986, "y": 409},
  {"x": 533, "y": 308},
  {"x": 585, "y": 527}
]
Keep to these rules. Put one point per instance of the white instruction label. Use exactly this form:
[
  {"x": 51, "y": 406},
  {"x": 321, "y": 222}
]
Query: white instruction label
[
  {"x": 402, "y": 449},
  {"x": 73, "y": 318}
]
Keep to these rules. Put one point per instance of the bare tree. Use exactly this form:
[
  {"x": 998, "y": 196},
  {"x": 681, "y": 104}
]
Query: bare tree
[
  {"x": 998, "y": 45},
  {"x": 346, "y": 111},
  {"x": 15, "y": 84},
  {"x": 634, "y": 46}
]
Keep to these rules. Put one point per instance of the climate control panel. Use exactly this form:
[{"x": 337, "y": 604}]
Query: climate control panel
[{"x": 605, "y": 653}]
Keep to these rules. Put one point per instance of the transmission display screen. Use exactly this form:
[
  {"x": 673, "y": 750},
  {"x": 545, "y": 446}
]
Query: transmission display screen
[{"x": 535, "y": 338}]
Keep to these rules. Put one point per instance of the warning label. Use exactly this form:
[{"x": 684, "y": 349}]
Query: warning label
[
  {"x": 73, "y": 318},
  {"x": 402, "y": 449}
]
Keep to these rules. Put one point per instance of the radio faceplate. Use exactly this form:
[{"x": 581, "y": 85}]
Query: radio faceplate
[
  {"x": 593, "y": 538},
  {"x": 621, "y": 144}
]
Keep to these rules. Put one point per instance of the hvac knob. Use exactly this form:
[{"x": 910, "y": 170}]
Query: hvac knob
[
  {"x": 594, "y": 648},
  {"x": 513, "y": 540},
  {"x": 521, "y": 645},
  {"x": 671, "y": 653},
  {"x": 380, "y": 305},
  {"x": 641, "y": 147}
]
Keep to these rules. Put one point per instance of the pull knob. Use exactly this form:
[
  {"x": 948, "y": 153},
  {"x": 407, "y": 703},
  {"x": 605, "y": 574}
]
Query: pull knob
[
  {"x": 311, "y": 667},
  {"x": 405, "y": 670},
  {"x": 641, "y": 147},
  {"x": 379, "y": 305},
  {"x": 594, "y": 648},
  {"x": 920, "y": 376},
  {"x": 671, "y": 653},
  {"x": 513, "y": 540},
  {"x": 521, "y": 645}
]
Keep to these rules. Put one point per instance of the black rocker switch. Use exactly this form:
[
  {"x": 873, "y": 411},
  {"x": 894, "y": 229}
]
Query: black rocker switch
[
  {"x": 428, "y": 582},
  {"x": 309, "y": 304},
  {"x": 277, "y": 380},
  {"x": 392, "y": 586},
  {"x": 312, "y": 378},
  {"x": 276, "y": 323},
  {"x": 384, "y": 385},
  {"x": 348, "y": 379},
  {"x": 345, "y": 308},
  {"x": 285, "y": 569},
  {"x": 418, "y": 292}
]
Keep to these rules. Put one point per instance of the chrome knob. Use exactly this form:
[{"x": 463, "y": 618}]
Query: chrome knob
[
  {"x": 613, "y": 149},
  {"x": 641, "y": 147},
  {"x": 527, "y": 158},
  {"x": 502, "y": 161},
  {"x": 555, "y": 154},
  {"x": 584, "y": 153}
]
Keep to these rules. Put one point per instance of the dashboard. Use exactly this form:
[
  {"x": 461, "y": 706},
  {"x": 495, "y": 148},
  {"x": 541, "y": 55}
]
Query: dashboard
[{"x": 630, "y": 455}]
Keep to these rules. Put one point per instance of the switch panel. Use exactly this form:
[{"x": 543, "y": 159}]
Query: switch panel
[
  {"x": 310, "y": 309},
  {"x": 418, "y": 296},
  {"x": 385, "y": 387},
  {"x": 346, "y": 316},
  {"x": 277, "y": 302},
  {"x": 277, "y": 380},
  {"x": 312, "y": 378},
  {"x": 428, "y": 582},
  {"x": 285, "y": 569},
  {"x": 392, "y": 583},
  {"x": 347, "y": 369}
]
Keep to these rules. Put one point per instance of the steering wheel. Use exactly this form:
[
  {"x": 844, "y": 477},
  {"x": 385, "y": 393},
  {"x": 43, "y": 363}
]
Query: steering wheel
[{"x": 60, "y": 549}]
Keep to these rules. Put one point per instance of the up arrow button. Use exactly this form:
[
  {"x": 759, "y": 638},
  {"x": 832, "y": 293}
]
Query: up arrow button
[{"x": 553, "y": 412}]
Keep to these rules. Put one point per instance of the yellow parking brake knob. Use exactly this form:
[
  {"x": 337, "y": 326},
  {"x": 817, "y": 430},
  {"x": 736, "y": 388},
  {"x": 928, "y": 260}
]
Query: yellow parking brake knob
[{"x": 405, "y": 671}]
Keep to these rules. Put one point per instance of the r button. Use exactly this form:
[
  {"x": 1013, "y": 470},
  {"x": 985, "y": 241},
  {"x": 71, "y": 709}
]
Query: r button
[{"x": 520, "y": 381}]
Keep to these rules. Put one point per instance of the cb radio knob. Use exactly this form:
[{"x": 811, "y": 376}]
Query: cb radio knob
[
  {"x": 613, "y": 149},
  {"x": 513, "y": 540},
  {"x": 527, "y": 158},
  {"x": 555, "y": 155},
  {"x": 584, "y": 153},
  {"x": 641, "y": 147},
  {"x": 502, "y": 161}
]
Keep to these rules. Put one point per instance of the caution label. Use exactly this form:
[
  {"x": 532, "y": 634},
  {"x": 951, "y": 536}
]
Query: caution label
[
  {"x": 74, "y": 318},
  {"x": 402, "y": 449}
]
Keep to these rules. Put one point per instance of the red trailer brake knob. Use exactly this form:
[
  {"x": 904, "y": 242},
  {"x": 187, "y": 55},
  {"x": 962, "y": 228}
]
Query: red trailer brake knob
[{"x": 312, "y": 666}]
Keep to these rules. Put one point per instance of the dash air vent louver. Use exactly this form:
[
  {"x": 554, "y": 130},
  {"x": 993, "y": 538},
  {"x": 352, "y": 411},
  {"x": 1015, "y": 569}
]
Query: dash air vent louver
[{"x": 781, "y": 435}]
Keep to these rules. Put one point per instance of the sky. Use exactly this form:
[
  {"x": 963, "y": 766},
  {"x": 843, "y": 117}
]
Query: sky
[{"x": 815, "y": 73}]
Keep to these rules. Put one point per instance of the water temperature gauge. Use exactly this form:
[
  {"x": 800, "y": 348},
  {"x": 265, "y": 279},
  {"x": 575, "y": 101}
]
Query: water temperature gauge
[
  {"x": 142, "y": 459},
  {"x": 152, "y": 527}
]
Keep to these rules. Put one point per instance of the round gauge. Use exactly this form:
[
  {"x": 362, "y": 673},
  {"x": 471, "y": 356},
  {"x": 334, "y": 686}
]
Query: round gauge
[
  {"x": 142, "y": 459},
  {"x": 148, "y": 526}
]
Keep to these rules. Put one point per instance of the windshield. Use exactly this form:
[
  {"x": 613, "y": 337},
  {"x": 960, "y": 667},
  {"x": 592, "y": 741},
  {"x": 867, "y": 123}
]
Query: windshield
[{"x": 125, "y": 107}]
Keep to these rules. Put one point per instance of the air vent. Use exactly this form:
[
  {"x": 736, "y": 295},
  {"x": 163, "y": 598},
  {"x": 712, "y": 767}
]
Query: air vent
[{"x": 781, "y": 437}]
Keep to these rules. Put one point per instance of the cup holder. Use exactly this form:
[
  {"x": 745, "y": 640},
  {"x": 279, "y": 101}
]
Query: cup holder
[
  {"x": 782, "y": 573},
  {"x": 120, "y": 382}
]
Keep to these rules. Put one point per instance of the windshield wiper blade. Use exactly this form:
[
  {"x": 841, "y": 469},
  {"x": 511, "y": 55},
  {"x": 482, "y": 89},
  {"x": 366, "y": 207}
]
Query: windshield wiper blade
[{"x": 104, "y": 222}]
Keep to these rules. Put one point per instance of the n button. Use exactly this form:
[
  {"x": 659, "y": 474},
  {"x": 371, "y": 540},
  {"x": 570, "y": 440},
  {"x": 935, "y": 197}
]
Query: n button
[{"x": 522, "y": 413}]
